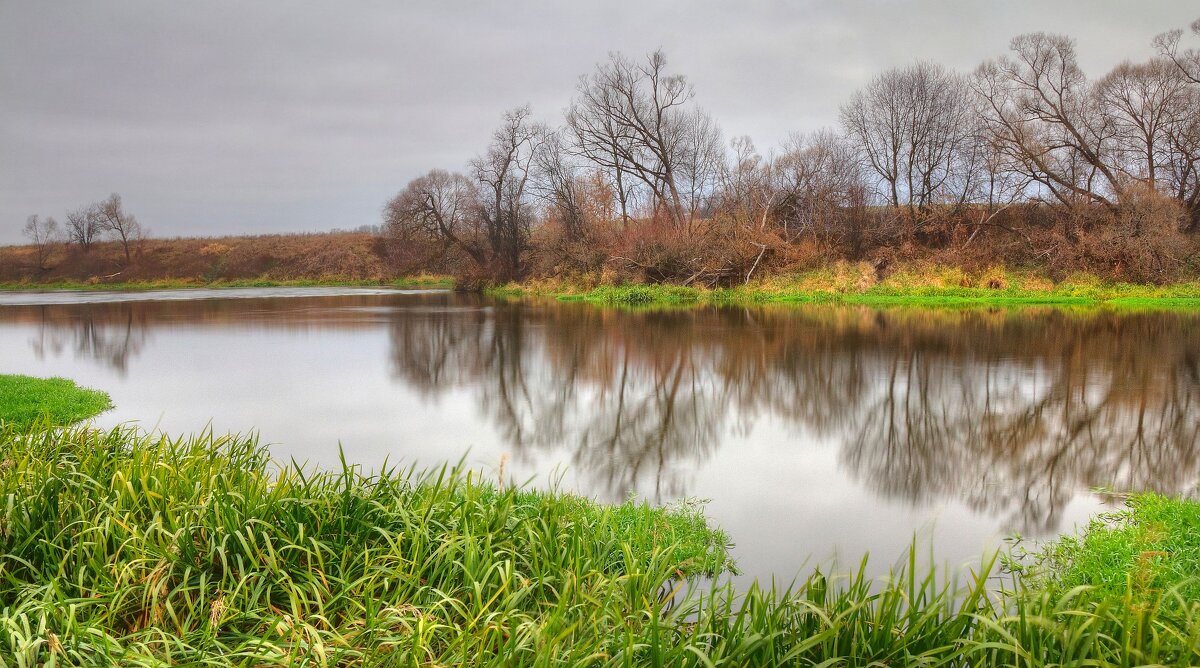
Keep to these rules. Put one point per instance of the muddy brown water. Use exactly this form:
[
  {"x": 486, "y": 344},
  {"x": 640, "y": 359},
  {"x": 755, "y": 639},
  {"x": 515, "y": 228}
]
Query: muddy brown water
[{"x": 815, "y": 433}]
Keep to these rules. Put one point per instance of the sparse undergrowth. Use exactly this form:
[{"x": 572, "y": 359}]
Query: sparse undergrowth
[{"x": 25, "y": 400}]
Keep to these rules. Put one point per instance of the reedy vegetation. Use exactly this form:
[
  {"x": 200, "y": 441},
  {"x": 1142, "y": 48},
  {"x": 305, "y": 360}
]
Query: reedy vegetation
[
  {"x": 119, "y": 547},
  {"x": 122, "y": 548}
]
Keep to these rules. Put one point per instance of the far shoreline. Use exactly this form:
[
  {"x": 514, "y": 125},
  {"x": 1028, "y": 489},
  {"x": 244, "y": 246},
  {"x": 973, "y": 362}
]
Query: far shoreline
[{"x": 992, "y": 289}]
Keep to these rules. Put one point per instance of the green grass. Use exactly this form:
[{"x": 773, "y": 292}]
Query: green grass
[
  {"x": 25, "y": 400},
  {"x": 673, "y": 295},
  {"x": 122, "y": 548},
  {"x": 117, "y": 548},
  {"x": 845, "y": 283},
  {"x": 175, "y": 284},
  {"x": 1144, "y": 551}
]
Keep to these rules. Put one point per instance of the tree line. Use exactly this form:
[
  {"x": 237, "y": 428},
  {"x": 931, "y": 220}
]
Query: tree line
[
  {"x": 85, "y": 226},
  {"x": 1026, "y": 160}
]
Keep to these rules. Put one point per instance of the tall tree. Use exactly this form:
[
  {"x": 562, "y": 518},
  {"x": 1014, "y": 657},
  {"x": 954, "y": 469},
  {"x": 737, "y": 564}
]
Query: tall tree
[
  {"x": 701, "y": 159},
  {"x": 630, "y": 117},
  {"x": 917, "y": 129},
  {"x": 559, "y": 182},
  {"x": 112, "y": 218},
  {"x": 503, "y": 174},
  {"x": 1044, "y": 118},
  {"x": 1145, "y": 103}
]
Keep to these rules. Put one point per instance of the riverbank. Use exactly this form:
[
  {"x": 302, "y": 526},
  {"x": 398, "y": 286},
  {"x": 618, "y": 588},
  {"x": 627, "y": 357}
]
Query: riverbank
[
  {"x": 275, "y": 257},
  {"x": 410, "y": 282},
  {"x": 846, "y": 283},
  {"x": 120, "y": 548},
  {"x": 841, "y": 283}
]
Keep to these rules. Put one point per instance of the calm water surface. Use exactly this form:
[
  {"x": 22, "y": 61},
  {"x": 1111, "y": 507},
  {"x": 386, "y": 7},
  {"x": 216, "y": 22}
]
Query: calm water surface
[{"x": 816, "y": 432}]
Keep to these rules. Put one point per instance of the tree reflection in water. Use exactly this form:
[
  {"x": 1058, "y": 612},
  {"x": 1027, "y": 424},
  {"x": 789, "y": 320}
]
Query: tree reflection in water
[
  {"x": 1010, "y": 412},
  {"x": 108, "y": 336}
]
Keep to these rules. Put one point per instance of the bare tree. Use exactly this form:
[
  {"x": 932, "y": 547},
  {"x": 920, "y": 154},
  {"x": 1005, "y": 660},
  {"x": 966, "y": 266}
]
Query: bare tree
[
  {"x": 440, "y": 206},
  {"x": 916, "y": 128},
  {"x": 820, "y": 186},
  {"x": 112, "y": 218},
  {"x": 1181, "y": 173},
  {"x": 701, "y": 159},
  {"x": 1187, "y": 60},
  {"x": 503, "y": 173},
  {"x": 598, "y": 137},
  {"x": 43, "y": 234},
  {"x": 629, "y": 117},
  {"x": 83, "y": 227},
  {"x": 1043, "y": 117},
  {"x": 1145, "y": 102},
  {"x": 746, "y": 191},
  {"x": 558, "y": 183}
]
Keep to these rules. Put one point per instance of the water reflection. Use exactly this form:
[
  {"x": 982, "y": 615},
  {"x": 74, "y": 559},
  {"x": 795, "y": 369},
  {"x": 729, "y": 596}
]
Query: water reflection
[
  {"x": 1010, "y": 413},
  {"x": 107, "y": 337}
]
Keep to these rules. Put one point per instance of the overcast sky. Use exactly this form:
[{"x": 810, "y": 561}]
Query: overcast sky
[{"x": 247, "y": 117}]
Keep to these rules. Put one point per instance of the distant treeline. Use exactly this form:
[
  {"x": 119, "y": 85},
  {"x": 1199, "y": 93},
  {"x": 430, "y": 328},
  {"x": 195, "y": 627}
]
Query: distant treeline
[{"x": 1025, "y": 161}]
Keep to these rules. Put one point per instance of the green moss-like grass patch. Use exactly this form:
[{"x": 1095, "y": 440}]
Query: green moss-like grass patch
[
  {"x": 1143, "y": 552},
  {"x": 25, "y": 400}
]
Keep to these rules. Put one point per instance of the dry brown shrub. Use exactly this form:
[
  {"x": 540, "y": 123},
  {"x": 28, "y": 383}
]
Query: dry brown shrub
[
  {"x": 1141, "y": 242},
  {"x": 713, "y": 253},
  {"x": 214, "y": 249},
  {"x": 555, "y": 254},
  {"x": 994, "y": 278}
]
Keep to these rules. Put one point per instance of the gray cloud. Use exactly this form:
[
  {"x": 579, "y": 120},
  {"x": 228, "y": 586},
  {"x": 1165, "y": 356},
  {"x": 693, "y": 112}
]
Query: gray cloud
[{"x": 228, "y": 117}]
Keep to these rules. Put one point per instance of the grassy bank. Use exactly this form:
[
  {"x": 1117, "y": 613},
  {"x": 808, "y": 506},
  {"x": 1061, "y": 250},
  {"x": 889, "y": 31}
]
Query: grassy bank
[
  {"x": 120, "y": 548},
  {"x": 422, "y": 281},
  {"x": 25, "y": 400},
  {"x": 847, "y": 283},
  {"x": 123, "y": 549},
  {"x": 1145, "y": 552}
]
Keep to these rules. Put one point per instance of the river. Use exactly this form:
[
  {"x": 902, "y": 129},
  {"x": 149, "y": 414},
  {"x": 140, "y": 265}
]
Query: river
[{"x": 815, "y": 433}]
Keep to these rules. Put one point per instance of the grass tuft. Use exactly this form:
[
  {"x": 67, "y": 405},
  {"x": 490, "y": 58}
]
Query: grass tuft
[{"x": 139, "y": 550}]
